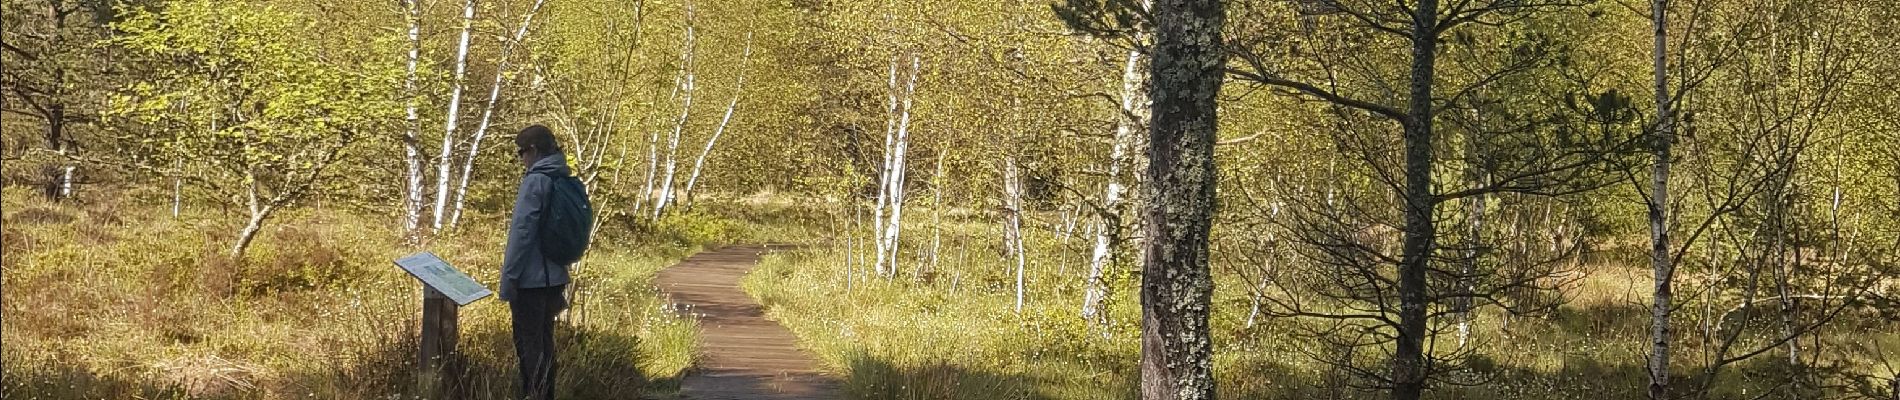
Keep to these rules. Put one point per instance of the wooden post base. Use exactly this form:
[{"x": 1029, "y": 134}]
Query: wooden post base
[{"x": 441, "y": 367}]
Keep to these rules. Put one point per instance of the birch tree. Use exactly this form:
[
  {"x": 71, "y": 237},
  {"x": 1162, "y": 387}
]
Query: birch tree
[
  {"x": 488, "y": 109},
  {"x": 884, "y": 171},
  {"x": 1125, "y": 21},
  {"x": 653, "y": 149},
  {"x": 687, "y": 81},
  {"x": 1660, "y": 258},
  {"x": 898, "y": 170},
  {"x": 444, "y": 159},
  {"x": 412, "y": 124},
  {"x": 1013, "y": 223},
  {"x": 745, "y": 59},
  {"x": 1134, "y": 109}
]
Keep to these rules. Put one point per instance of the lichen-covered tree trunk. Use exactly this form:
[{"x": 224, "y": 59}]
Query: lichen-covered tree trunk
[
  {"x": 1659, "y": 257},
  {"x": 1176, "y": 288},
  {"x": 1420, "y": 241}
]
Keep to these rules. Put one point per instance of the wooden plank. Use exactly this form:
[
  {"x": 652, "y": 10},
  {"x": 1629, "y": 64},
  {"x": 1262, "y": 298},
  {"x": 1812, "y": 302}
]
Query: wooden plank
[{"x": 742, "y": 354}]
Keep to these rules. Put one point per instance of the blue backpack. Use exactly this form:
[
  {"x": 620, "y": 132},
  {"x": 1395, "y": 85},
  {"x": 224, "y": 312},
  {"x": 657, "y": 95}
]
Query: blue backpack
[{"x": 568, "y": 222}]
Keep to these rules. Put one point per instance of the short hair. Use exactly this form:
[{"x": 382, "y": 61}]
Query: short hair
[{"x": 539, "y": 137}]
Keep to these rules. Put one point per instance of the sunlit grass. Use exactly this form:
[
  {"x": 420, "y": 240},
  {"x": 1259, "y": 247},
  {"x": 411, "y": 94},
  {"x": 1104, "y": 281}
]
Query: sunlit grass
[
  {"x": 110, "y": 300},
  {"x": 952, "y": 332}
]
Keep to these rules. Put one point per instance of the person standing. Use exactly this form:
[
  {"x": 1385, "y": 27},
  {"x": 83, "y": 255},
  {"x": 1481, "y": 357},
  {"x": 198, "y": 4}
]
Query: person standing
[{"x": 547, "y": 233}]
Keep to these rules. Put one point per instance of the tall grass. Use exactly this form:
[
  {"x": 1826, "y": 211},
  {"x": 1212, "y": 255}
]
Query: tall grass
[
  {"x": 950, "y": 332},
  {"x": 111, "y": 299}
]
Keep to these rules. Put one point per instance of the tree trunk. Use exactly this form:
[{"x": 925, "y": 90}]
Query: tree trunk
[
  {"x": 1408, "y": 358},
  {"x": 1660, "y": 260},
  {"x": 1176, "y": 288},
  {"x": 178, "y": 195},
  {"x": 850, "y": 245},
  {"x": 653, "y": 164},
  {"x": 1778, "y": 202},
  {"x": 1893, "y": 387},
  {"x": 59, "y": 180},
  {"x": 884, "y": 170},
  {"x": 1474, "y": 219},
  {"x": 679, "y": 126},
  {"x": 258, "y": 213},
  {"x": 899, "y": 170},
  {"x": 936, "y": 211},
  {"x": 653, "y": 150},
  {"x": 59, "y": 186},
  {"x": 692, "y": 179},
  {"x": 1108, "y": 234},
  {"x": 488, "y": 111},
  {"x": 411, "y": 143},
  {"x": 1013, "y": 222},
  {"x": 444, "y": 160}
]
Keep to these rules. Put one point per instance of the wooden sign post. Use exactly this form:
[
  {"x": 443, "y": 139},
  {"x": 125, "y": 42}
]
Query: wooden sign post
[{"x": 444, "y": 291}]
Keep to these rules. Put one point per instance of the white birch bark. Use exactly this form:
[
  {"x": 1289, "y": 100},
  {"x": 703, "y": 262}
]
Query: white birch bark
[
  {"x": 1134, "y": 110},
  {"x": 411, "y": 143},
  {"x": 898, "y": 170},
  {"x": 745, "y": 60},
  {"x": 444, "y": 160},
  {"x": 653, "y": 152},
  {"x": 849, "y": 247},
  {"x": 884, "y": 171},
  {"x": 1660, "y": 333},
  {"x": 936, "y": 212},
  {"x": 1013, "y": 222},
  {"x": 178, "y": 195},
  {"x": 679, "y": 126},
  {"x": 1476, "y": 210},
  {"x": 488, "y": 111},
  {"x": 1474, "y": 207},
  {"x": 259, "y": 211},
  {"x": 65, "y": 178},
  {"x": 1258, "y": 295}
]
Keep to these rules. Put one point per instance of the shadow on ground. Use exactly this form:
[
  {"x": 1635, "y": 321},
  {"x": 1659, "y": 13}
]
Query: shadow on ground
[{"x": 70, "y": 381}]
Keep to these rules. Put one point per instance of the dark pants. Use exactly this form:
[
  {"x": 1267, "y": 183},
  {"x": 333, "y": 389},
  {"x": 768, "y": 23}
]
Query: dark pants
[{"x": 534, "y": 311}]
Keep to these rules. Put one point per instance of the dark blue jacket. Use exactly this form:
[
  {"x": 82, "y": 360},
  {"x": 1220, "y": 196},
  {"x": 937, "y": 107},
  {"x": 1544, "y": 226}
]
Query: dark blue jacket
[{"x": 522, "y": 265}]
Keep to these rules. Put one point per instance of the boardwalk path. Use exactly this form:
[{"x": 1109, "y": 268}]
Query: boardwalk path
[{"x": 742, "y": 355}]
